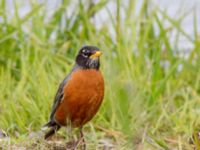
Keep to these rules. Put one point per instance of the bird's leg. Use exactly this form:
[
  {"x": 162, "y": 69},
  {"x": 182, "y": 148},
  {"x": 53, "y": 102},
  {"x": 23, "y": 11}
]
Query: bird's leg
[
  {"x": 83, "y": 145},
  {"x": 81, "y": 141}
]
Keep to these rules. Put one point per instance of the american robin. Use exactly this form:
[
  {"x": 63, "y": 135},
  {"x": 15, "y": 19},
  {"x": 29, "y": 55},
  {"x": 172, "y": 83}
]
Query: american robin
[{"x": 80, "y": 94}]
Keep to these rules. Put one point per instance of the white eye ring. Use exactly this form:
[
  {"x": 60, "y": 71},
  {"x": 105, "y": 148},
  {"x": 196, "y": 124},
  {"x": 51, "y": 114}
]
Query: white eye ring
[{"x": 85, "y": 55}]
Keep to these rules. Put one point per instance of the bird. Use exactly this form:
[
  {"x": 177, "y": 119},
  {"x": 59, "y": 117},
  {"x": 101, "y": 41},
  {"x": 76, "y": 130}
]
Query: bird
[{"x": 80, "y": 94}]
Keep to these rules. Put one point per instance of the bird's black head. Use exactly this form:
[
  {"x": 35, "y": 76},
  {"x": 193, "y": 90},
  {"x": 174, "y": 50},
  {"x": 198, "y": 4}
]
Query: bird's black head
[{"x": 88, "y": 57}]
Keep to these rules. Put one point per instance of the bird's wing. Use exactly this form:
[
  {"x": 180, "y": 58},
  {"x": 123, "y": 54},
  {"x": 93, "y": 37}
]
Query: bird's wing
[{"x": 59, "y": 96}]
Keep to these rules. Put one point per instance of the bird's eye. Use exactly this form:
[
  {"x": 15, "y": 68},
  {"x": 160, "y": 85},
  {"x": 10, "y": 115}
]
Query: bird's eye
[{"x": 85, "y": 53}]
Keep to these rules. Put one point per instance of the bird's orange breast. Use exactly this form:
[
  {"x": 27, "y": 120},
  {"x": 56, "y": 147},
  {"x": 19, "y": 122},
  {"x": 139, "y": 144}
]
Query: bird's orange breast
[{"x": 82, "y": 98}]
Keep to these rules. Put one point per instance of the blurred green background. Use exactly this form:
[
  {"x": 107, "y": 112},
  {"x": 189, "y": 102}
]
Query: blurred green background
[{"x": 152, "y": 93}]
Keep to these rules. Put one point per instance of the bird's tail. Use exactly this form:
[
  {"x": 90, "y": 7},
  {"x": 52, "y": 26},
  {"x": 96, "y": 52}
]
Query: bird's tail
[{"x": 54, "y": 128}]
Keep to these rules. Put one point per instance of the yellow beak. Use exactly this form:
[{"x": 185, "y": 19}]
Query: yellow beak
[{"x": 96, "y": 54}]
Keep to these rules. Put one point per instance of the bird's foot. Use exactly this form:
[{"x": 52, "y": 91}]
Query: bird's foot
[{"x": 73, "y": 145}]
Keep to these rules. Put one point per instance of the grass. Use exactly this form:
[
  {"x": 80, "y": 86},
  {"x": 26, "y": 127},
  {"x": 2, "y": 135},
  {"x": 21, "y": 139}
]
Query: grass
[{"x": 152, "y": 98}]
